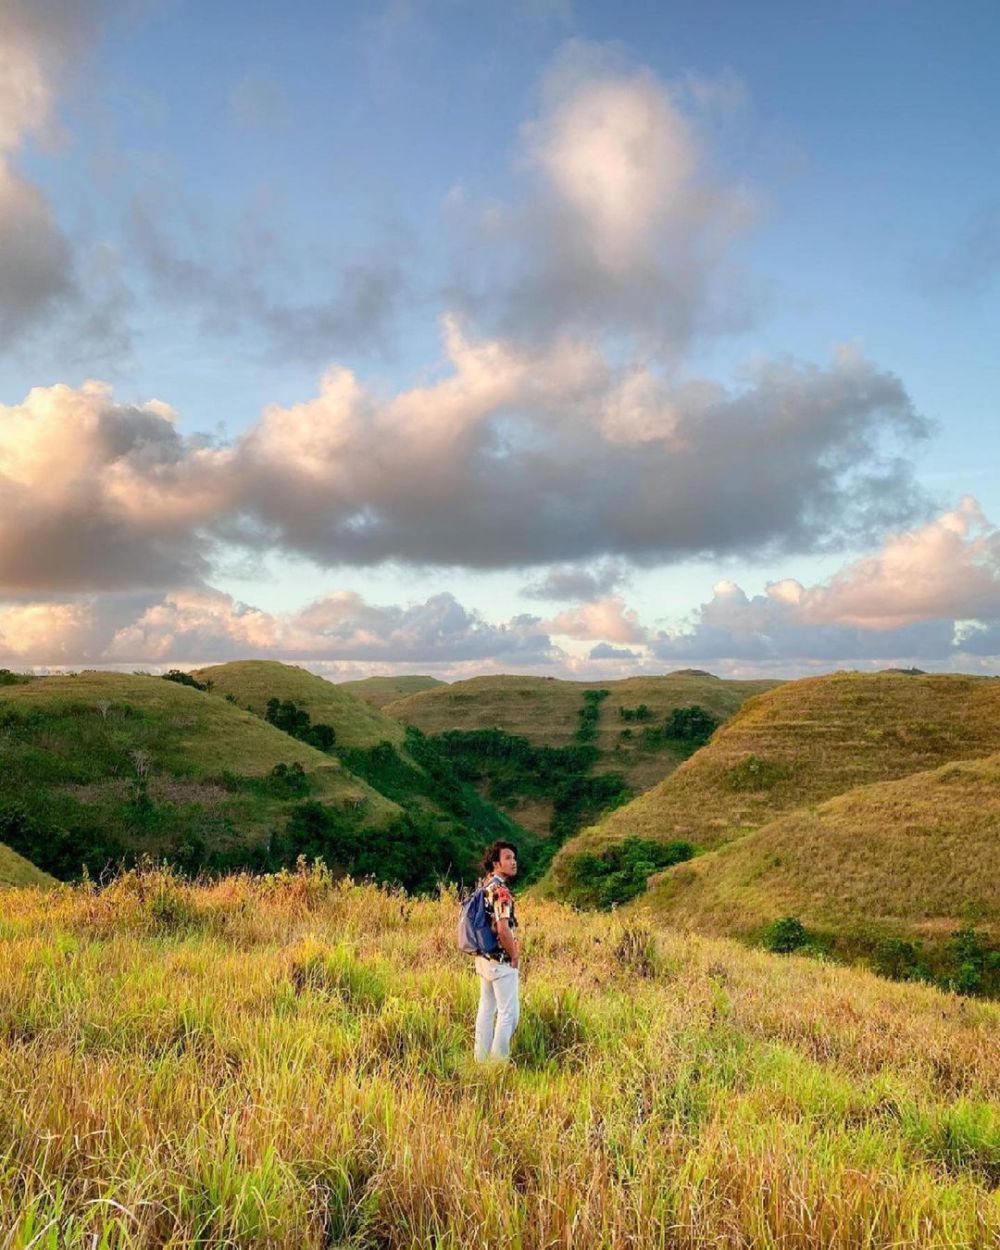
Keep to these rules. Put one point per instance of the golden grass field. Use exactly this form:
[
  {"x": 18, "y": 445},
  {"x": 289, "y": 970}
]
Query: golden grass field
[
  {"x": 382, "y": 690},
  {"x": 912, "y": 858},
  {"x": 812, "y": 739},
  {"x": 253, "y": 682},
  {"x": 283, "y": 1062}
]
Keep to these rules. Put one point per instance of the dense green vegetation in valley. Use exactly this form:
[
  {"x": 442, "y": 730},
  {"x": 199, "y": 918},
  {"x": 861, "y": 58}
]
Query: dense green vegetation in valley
[
  {"x": 639, "y": 729},
  {"x": 444, "y": 817}
]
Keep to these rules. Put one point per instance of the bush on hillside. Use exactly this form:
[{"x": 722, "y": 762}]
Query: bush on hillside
[
  {"x": 9, "y": 678},
  {"x": 975, "y": 964},
  {"x": 297, "y": 723},
  {"x": 899, "y": 960},
  {"x": 185, "y": 679},
  {"x": 692, "y": 725},
  {"x": 589, "y": 713},
  {"x": 619, "y": 873},
  {"x": 785, "y": 935},
  {"x": 754, "y": 773}
]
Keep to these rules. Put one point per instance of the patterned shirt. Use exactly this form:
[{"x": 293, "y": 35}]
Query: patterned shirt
[{"x": 499, "y": 905}]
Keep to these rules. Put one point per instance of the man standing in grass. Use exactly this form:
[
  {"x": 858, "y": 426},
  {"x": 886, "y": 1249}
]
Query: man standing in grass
[{"x": 499, "y": 969}]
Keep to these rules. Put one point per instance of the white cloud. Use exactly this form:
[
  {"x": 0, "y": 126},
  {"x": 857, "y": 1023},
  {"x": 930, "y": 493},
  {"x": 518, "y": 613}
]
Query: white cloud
[
  {"x": 503, "y": 462},
  {"x": 605, "y": 620},
  {"x": 623, "y": 231},
  {"x": 931, "y": 594},
  {"x": 945, "y": 570}
]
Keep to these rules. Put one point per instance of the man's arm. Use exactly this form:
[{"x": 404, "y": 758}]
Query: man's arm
[{"x": 507, "y": 940}]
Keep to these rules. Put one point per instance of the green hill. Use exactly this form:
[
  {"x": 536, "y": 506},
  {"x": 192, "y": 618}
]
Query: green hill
[
  {"x": 626, "y": 739},
  {"x": 101, "y": 765},
  {"x": 16, "y": 870},
  {"x": 914, "y": 859},
  {"x": 800, "y": 744},
  {"x": 253, "y": 682},
  {"x": 382, "y": 690},
  {"x": 396, "y": 760}
]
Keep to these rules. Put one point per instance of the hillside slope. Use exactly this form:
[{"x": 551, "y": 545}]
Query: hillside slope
[
  {"x": 546, "y": 714},
  {"x": 17, "y": 871},
  {"x": 286, "y": 1065},
  {"x": 379, "y": 691},
  {"x": 449, "y": 820},
  {"x": 99, "y": 764},
  {"x": 805, "y": 742},
  {"x": 253, "y": 682},
  {"x": 913, "y": 858}
]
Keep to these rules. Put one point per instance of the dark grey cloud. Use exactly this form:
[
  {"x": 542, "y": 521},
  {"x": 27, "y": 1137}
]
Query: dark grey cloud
[
  {"x": 578, "y": 583},
  {"x": 233, "y": 281},
  {"x": 98, "y": 496},
  {"x": 605, "y": 651},
  {"x": 36, "y": 269},
  {"x": 735, "y": 626},
  {"x": 523, "y": 460},
  {"x": 507, "y": 462},
  {"x": 40, "y": 42}
]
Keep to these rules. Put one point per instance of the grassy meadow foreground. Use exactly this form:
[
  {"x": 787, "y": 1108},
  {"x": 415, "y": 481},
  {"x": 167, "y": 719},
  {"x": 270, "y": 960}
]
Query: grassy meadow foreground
[{"x": 283, "y": 1061}]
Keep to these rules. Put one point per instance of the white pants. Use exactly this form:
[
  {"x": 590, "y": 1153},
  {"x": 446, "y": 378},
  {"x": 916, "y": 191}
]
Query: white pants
[{"x": 499, "y": 1008}]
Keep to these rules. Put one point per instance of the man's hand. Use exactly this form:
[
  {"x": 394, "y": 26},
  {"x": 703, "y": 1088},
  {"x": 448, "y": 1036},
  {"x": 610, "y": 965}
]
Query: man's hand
[{"x": 508, "y": 942}]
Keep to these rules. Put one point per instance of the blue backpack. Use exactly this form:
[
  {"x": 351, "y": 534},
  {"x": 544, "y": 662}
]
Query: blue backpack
[{"x": 475, "y": 935}]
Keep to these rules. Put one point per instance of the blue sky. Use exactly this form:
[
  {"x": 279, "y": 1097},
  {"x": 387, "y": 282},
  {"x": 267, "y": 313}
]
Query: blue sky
[{"x": 750, "y": 252}]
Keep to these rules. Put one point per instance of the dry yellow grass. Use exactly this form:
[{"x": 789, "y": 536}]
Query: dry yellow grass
[
  {"x": 282, "y": 1063},
  {"x": 912, "y": 858},
  {"x": 16, "y": 870},
  {"x": 379, "y": 691},
  {"x": 804, "y": 742},
  {"x": 253, "y": 682}
]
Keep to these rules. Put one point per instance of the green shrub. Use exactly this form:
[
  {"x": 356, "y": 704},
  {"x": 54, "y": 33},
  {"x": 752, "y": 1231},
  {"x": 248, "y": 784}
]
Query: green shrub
[
  {"x": 974, "y": 964},
  {"x": 184, "y": 679},
  {"x": 785, "y": 935},
  {"x": 899, "y": 960},
  {"x": 297, "y": 723},
  {"x": 692, "y": 725},
  {"x": 620, "y": 872},
  {"x": 754, "y": 773}
]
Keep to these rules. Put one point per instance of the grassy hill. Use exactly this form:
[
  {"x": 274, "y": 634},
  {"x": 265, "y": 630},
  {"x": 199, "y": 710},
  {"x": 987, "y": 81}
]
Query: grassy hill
[
  {"x": 394, "y": 759},
  {"x": 252, "y": 682},
  {"x": 16, "y": 870},
  {"x": 546, "y": 713},
  {"x": 913, "y": 859},
  {"x": 99, "y": 764},
  {"x": 283, "y": 1064},
  {"x": 382, "y": 690},
  {"x": 805, "y": 742}
]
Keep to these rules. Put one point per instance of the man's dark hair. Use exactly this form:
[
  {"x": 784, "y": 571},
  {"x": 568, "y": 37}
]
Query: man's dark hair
[{"x": 491, "y": 855}]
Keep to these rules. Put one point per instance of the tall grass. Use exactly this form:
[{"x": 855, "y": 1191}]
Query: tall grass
[{"x": 284, "y": 1062}]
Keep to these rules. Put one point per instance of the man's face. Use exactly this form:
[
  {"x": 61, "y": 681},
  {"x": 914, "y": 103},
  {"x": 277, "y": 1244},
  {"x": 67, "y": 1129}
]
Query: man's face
[{"x": 506, "y": 865}]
